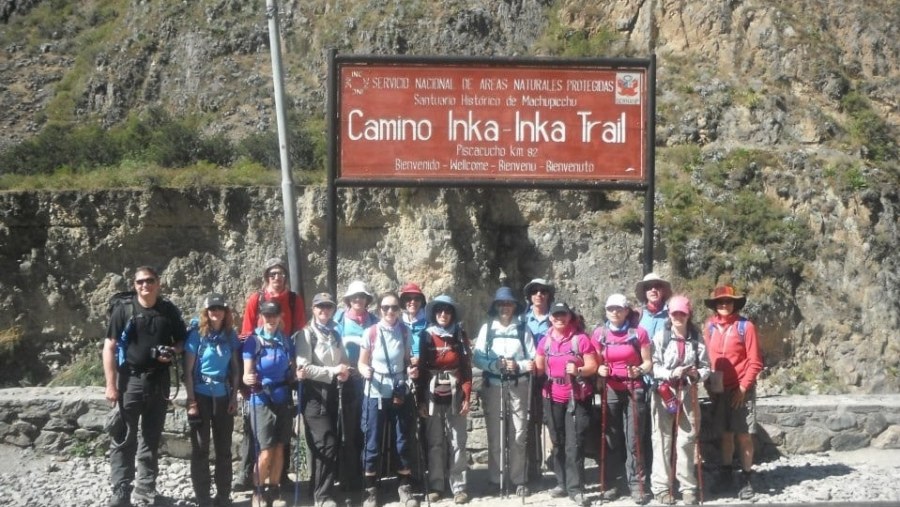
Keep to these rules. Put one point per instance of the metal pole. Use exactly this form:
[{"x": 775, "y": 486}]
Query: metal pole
[
  {"x": 649, "y": 195},
  {"x": 331, "y": 198},
  {"x": 291, "y": 237}
]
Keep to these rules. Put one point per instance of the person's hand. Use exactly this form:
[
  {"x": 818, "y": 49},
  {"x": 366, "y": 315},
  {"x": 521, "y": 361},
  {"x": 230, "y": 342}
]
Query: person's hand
[
  {"x": 678, "y": 372},
  {"x": 193, "y": 410},
  {"x": 737, "y": 399},
  {"x": 412, "y": 371},
  {"x": 340, "y": 371},
  {"x": 301, "y": 373},
  {"x": 112, "y": 394},
  {"x": 571, "y": 369},
  {"x": 249, "y": 379},
  {"x": 692, "y": 372},
  {"x": 635, "y": 371},
  {"x": 366, "y": 371},
  {"x": 232, "y": 405},
  {"x": 527, "y": 366},
  {"x": 603, "y": 370},
  {"x": 423, "y": 410},
  {"x": 464, "y": 409}
]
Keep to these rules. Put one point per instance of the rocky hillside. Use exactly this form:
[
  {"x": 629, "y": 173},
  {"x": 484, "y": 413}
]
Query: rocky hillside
[{"x": 777, "y": 147}]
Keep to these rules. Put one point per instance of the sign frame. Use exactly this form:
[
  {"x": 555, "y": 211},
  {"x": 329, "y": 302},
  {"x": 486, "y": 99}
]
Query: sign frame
[{"x": 335, "y": 179}]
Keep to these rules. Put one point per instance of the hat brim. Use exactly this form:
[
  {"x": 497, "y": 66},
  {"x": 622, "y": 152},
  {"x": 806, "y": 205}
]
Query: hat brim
[
  {"x": 531, "y": 285},
  {"x": 429, "y": 310},
  {"x": 739, "y": 302},
  {"x": 640, "y": 292}
]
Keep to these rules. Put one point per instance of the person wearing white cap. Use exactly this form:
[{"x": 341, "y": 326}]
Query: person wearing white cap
[
  {"x": 680, "y": 362},
  {"x": 351, "y": 323},
  {"x": 212, "y": 374},
  {"x": 653, "y": 292},
  {"x": 625, "y": 357}
]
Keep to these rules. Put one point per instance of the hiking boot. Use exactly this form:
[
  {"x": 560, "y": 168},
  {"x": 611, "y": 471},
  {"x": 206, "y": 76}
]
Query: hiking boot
[
  {"x": 222, "y": 501},
  {"x": 640, "y": 498},
  {"x": 406, "y": 497},
  {"x": 522, "y": 491},
  {"x": 610, "y": 494},
  {"x": 143, "y": 497},
  {"x": 371, "y": 497},
  {"x": 579, "y": 500},
  {"x": 461, "y": 497},
  {"x": 434, "y": 495},
  {"x": 557, "y": 492},
  {"x": 665, "y": 498},
  {"x": 689, "y": 497},
  {"x": 746, "y": 492},
  {"x": 119, "y": 498},
  {"x": 258, "y": 499},
  {"x": 205, "y": 501},
  {"x": 328, "y": 502},
  {"x": 242, "y": 484},
  {"x": 724, "y": 482}
]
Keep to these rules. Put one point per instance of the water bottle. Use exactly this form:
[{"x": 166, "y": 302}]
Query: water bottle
[{"x": 668, "y": 397}]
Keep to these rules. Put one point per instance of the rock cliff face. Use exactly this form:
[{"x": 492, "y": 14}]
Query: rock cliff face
[{"x": 812, "y": 86}]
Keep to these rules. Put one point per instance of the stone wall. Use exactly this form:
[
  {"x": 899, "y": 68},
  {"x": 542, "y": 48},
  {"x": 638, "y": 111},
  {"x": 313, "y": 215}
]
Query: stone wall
[{"x": 70, "y": 421}]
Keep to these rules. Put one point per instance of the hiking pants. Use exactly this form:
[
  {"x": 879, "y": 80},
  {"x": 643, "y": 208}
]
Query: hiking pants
[
  {"x": 567, "y": 433},
  {"x": 143, "y": 403},
  {"x": 320, "y": 414},
  {"x": 685, "y": 472},
  {"x": 374, "y": 423},
  {"x": 517, "y": 399},
  {"x": 214, "y": 417},
  {"x": 622, "y": 450},
  {"x": 446, "y": 439}
]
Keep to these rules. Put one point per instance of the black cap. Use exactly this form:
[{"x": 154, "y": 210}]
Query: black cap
[
  {"x": 270, "y": 308},
  {"x": 215, "y": 299},
  {"x": 560, "y": 307}
]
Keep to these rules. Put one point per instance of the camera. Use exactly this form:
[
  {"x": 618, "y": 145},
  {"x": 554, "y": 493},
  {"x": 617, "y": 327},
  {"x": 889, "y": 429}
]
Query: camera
[{"x": 162, "y": 352}]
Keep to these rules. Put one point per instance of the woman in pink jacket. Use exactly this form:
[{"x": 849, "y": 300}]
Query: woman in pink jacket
[{"x": 736, "y": 361}]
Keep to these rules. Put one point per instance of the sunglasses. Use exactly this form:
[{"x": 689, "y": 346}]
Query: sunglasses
[
  {"x": 216, "y": 309},
  {"x": 542, "y": 292},
  {"x": 443, "y": 309},
  {"x": 656, "y": 286},
  {"x": 276, "y": 274},
  {"x": 390, "y": 308},
  {"x": 325, "y": 307},
  {"x": 145, "y": 281}
]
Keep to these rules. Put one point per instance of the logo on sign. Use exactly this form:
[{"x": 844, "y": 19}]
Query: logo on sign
[{"x": 628, "y": 88}]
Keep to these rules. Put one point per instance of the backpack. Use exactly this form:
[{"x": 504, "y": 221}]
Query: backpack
[
  {"x": 521, "y": 327},
  {"x": 124, "y": 299},
  {"x": 646, "y": 379},
  {"x": 204, "y": 344},
  {"x": 741, "y": 327}
]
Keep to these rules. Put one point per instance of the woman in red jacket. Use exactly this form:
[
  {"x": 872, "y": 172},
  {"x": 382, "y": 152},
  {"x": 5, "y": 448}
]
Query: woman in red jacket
[{"x": 736, "y": 361}]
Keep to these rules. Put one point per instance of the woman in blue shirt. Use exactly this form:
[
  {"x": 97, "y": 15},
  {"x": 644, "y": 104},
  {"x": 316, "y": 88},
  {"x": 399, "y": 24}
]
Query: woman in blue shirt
[
  {"x": 269, "y": 371},
  {"x": 211, "y": 363}
]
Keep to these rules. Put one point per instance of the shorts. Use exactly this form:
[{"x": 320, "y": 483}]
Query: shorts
[
  {"x": 272, "y": 424},
  {"x": 734, "y": 420}
]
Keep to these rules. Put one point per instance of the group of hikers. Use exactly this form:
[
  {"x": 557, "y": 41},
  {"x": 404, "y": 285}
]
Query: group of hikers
[{"x": 387, "y": 393}]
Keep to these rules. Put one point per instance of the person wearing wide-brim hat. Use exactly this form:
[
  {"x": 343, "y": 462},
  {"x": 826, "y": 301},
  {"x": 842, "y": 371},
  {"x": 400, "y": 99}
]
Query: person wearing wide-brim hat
[
  {"x": 504, "y": 351},
  {"x": 653, "y": 292},
  {"x": 352, "y": 320},
  {"x": 735, "y": 358},
  {"x": 412, "y": 303},
  {"x": 539, "y": 296},
  {"x": 445, "y": 391}
]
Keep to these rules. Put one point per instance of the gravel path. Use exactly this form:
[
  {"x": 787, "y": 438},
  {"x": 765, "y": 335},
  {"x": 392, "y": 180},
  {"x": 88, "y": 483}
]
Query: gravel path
[{"x": 869, "y": 475}]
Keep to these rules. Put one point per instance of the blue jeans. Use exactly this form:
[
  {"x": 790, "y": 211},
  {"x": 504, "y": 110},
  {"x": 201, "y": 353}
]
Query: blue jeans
[{"x": 375, "y": 422}]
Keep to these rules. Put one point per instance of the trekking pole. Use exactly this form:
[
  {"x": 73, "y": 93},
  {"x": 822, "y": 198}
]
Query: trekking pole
[
  {"x": 527, "y": 426},
  {"x": 415, "y": 429},
  {"x": 502, "y": 429},
  {"x": 673, "y": 441},
  {"x": 255, "y": 443},
  {"x": 297, "y": 446},
  {"x": 603, "y": 411},
  {"x": 342, "y": 435},
  {"x": 637, "y": 437},
  {"x": 698, "y": 459}
]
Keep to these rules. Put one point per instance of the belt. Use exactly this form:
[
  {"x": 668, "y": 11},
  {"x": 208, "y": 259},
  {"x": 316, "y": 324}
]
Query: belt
[{"x": 559, "y": 380}]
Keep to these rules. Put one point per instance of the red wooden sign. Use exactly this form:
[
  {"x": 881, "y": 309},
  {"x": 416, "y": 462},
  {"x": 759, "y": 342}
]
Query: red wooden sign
[{"x": 473, "y": 121}]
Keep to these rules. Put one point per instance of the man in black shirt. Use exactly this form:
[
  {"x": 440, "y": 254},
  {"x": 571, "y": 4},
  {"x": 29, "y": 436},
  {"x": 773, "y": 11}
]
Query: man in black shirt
[{"x": 144, "y": 333}]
